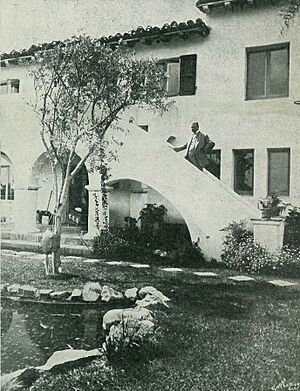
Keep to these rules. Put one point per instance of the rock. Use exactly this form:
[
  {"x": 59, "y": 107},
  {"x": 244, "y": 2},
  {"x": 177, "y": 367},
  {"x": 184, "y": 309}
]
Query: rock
[
  {"x": 76, "y": 295},
  {"x": 150, "y": 300},
  {"x": 63, "y": 295},
  {"x": 131, "y": 293},
  {"x": 150, "y": 290},
  {"x": 110, "y": 294},
  {"x": 91, "y": 291},
  {"x": 27, "y": 291},
  {"x": 44, "y": 293},
  {"x": 62, "y": 358},
  {"x": 13, "y": 289},
  {"x": 19, "y": 379},
  {"x": 116, "y": 316},
  {"x": 59, "y": 360}
]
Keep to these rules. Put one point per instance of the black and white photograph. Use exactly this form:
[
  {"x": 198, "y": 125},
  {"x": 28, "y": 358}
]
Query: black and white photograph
[{"x": 150, "y": 195}]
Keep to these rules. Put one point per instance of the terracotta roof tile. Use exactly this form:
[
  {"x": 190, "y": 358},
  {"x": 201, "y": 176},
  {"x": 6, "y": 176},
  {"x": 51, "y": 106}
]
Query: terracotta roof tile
[{"x": 145, "y": 35}]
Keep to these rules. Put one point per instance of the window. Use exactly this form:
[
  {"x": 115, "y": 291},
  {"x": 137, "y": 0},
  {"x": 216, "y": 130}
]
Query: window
[
  {"x": 243, "y": 171},
  {"x": 268, "y": 72},
  {"x": 144, "y": 127},
  {"x": 7, "y": 192},
  {"x": 279, "y": 171},
  {"x": 214, "y": 165},
  {"x": 10, "y": 86},
  {"x": 181, "y": 75}
]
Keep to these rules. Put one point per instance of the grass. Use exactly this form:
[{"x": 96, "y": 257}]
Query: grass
[{"x": 216, "y": 335}]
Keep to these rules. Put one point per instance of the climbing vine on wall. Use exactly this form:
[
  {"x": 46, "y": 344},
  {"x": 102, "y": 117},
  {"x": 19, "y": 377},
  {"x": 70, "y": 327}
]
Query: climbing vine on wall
[
  {"x": 289, "y": 11},
  {"x": 97, "y": 211}
]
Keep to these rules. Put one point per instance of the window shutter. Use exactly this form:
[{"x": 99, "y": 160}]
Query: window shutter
[{"x": 188, "y": 74}]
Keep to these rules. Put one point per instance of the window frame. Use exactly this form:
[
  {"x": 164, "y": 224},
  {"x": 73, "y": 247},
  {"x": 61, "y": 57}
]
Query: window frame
[
  {"x": 9, "y": 86},
  {"x": 245, "y": 150},
  {"x": 267, "y": 49},
  {"x": 166, "y": 61},
  {"x": 9, "y": 190},
  {"x": 272, "y": 150}
]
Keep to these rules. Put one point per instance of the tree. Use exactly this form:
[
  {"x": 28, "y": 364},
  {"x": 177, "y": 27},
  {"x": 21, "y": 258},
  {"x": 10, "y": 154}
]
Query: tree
[
  {"x": 82, "y": 86},
  {"x": 290, "y": 10}
]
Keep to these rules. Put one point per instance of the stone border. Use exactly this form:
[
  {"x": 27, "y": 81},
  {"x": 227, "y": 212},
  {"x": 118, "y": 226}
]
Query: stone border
[
  {"x": 29, "y": 294},
  {"x": 121, "y": 326}
]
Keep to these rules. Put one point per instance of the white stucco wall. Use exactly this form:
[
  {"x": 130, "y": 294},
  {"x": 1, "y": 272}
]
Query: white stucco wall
[
  {"x": 20, "y": 138},
  {"x": 219, "y": 104},
  {"x": 124, "y": 202}
]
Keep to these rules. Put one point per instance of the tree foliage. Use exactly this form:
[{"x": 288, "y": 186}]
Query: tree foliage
[
  {"x": 82, "y": 86},
  {"x": 289, "y": 11}
]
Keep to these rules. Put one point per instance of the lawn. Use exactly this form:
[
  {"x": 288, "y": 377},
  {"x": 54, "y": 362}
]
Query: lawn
[{"x": 216, "y": 335}]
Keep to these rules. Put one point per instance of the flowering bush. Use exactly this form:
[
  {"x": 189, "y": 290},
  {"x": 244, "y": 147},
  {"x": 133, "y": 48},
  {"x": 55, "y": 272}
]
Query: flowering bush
[
  {"x": 245, "y": 256},
  {"x": 286, "y": 263},
  {"x": 240, "y": 252}
]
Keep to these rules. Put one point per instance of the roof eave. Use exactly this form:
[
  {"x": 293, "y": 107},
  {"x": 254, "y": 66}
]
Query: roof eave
[
  {"x": 208, "y": 6},
  {"x": 146, "y": 36}
]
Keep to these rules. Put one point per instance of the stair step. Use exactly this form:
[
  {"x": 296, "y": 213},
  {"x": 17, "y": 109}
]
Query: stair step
[
  {"x": 71, "y": 239},
  {"x": 24, "y": 245}
]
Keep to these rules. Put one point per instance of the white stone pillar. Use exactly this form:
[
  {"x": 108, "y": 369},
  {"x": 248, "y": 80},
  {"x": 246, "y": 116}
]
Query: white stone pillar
[
  {"x": 95, "y": 202},
  {"x": 269, "y": 233},
  {"x": 96, "y": 212},
  {"x": 138, "y": 200},
  {"x": 25, "y": 209}
]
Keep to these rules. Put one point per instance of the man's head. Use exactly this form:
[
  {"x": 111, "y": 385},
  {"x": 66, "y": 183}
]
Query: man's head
[{"x": 195, "y": 127}]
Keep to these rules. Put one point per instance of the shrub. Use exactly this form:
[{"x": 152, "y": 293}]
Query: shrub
[
  {"x": 236, "y": 235},
  {"x": 292, "y": 228},
  {"x": 187, "y": 254},
  {"x": 286, "y": 263},
  {"x": 245, "y": 256},
  {"x": 240, "y": 252},
  {"x": 152, "y": 217},
  {"x": 112, "y": 246},
  {"x": 155, "y": 242},
  {"x": 131, "y": 340}
]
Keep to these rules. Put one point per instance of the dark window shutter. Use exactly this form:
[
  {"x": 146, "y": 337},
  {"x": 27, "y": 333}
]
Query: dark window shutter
[{"x": 188, "y": 74}]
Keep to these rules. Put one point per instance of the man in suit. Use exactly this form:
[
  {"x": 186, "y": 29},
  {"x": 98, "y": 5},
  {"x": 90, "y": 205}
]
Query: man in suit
[{"x": 197, "y": 148}]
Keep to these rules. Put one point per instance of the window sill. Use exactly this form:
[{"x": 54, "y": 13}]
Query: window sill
[
  {"x": 179, "y": 96},
  {"x": 248, "y": 99}
]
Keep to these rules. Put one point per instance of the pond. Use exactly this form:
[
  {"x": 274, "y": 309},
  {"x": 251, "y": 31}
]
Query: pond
[{"x": 31, "y": 333}]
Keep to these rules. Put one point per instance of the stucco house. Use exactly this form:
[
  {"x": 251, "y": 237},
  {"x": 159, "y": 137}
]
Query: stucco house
[{"x": 236, "y": 74}]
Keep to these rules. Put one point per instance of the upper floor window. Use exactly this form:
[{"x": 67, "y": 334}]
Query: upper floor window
[
  {"x": 181, "y": 75},
  {"x": 279, "y": 171},
  {"x": 268, "y": 72},
  {"x": 243, "y": 171},
  {"x": 9, "y": 86}
]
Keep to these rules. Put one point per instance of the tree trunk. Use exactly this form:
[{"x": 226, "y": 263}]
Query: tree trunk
[{"x": 56, "y": 261}]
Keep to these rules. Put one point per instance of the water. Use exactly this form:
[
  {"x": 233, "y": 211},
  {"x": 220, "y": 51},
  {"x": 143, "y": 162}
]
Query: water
[{"x": 30, "y": 334}]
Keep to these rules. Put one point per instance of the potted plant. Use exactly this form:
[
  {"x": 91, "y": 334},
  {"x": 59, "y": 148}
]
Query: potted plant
[{"x": 271, "y": 206}]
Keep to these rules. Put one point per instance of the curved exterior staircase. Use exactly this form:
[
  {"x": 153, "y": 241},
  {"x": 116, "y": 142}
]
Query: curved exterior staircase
[{"x": 206, "y": 204}]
